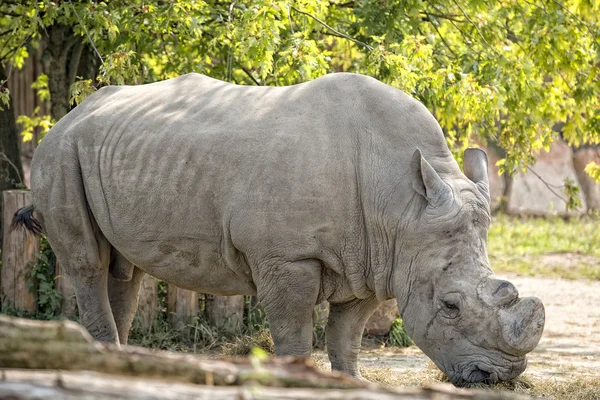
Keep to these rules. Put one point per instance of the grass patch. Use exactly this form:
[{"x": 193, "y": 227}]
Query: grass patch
[
  {"x": 243, "y": 345},
  {"x": 199, "y": 336},
  {"x": 551, "y": 247}
]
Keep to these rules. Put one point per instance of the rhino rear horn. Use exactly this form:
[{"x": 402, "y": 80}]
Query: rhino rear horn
[
  {"x": 427, "y": 182},
  {"x": 475, "y": 165},
  {"x": 497, "y": 292}
]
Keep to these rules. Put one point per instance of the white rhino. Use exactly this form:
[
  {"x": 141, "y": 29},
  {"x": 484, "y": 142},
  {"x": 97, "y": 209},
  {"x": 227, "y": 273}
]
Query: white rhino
[{"x": 341, "y": 189}]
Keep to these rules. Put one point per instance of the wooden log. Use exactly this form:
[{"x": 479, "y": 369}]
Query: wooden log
[
  {"x": 66, "y": 345},
  {"x": 19, "y": 249},
  {"x": 68, "y": 307},
  {"x": 148, "y": 302},
  {"x": 181, "y": 305},
  {"x": 46, "y": 360},
  {"x": 63, "y": 385},
  {"x": 226, "y": 312}
]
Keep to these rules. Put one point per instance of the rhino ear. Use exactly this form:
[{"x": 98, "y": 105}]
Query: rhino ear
[
  {"x": 475, "y": 165},
  {"x": 427, "y": 182}
]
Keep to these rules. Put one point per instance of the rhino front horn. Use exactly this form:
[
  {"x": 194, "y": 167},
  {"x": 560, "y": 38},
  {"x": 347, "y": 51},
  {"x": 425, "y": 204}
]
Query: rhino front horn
[{"x": 522, "y": 325}]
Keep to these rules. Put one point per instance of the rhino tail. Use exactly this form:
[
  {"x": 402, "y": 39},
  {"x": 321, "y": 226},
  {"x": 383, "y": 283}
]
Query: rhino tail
[{"x": 24, "y": 218}]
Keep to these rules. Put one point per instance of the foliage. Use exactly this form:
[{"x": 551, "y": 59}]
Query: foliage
[
  {"x": 571, "y": 191},
  {"x": 502, "y": 72},
  {"x": 593, "y": 170},
  {"x": 81, "y": 89},
  {"x": 4, "y": 96},
  {"x": 37, "y": 121},
  {"x": 398, "y": 336},
  {"x": 29, "y": 123},
  {"x": 41, "y": 278}
]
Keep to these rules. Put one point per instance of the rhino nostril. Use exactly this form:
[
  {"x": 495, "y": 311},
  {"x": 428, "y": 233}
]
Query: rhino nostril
[{"x": 479, "y": 375}]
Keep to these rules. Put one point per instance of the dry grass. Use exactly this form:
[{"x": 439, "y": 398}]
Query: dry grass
[
  {"x": 242, "y": 345},
  {"x": 575, "y": 388}
]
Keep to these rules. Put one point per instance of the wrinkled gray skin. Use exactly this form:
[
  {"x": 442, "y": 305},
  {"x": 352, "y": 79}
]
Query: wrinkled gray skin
[{"x": 340, "y": 189}]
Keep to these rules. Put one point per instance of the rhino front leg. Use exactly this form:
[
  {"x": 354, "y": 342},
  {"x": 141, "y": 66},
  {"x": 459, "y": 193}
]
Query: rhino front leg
[
  {"x": 288, "y": 294},
  {"x": 345, "y": 328}
]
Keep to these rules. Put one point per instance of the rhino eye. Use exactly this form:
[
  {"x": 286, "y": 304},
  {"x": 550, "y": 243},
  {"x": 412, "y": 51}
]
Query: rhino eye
[{"x": 450, "y": 306}]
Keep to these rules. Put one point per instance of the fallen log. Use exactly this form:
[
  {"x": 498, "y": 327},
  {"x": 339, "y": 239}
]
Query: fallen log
[
  {"x": 66, "y": 345},
  {"x": 59, "y": 360}
]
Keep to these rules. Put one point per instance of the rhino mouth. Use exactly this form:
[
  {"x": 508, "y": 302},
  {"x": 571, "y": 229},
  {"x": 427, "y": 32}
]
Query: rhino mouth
[
  {"x": 486, "y": 374},
  {"x": 475, "y": 374}
]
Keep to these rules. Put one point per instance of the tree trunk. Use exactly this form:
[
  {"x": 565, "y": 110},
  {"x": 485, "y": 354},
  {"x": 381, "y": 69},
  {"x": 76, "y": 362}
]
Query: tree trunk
[
  {"x": 64, "y": 51},
  {"x": 591, "y": 190},
  {"x": 11, "y": 171},
  {"x": 148, "y": 302},
  {"x": 226, "y": 312},
  {"x": 505, "y": 200},
  {"x": 182, "y": 305}
]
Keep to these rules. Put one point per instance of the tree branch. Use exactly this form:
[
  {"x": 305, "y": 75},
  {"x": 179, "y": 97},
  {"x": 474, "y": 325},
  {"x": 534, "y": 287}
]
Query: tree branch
[
  {"x": 551, "y": 189},
  {"x": 333, "y": 30},
  {"x": 10, "y": 14},
  {"x": 577, "y": 18},
  {"x": 349, "y": 4},
  {"x": 448, "y": 17},
  {"x": 4, "y": 157},
  {"x": 443, "y": 40},
  {"x": 476, "y": 28},
  {"x": 256, "y": 82}
]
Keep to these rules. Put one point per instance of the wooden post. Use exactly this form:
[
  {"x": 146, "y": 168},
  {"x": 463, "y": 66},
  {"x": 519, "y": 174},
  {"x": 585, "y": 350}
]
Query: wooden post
[
  {"x": 148, "y": 302},
  {"x": 68, "y": 308},
  {"x": 20, "y": 248},
  {"x": 226, "y": 312},
  {"x": 182, "y": 305}
]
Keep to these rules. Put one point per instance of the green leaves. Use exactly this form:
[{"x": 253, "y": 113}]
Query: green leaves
[
  {"x": 593, "y": 170},
  {"x": 41, "y": 280},
  {"x": 4, "y": 97},
  {"x": 80, "y": 90},
  {"x": 29, "y": 123},
  {"x": 503, "y": 73}
]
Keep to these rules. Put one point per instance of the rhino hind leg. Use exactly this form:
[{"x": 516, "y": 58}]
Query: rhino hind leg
[
  {"x": 84, "y": 254},
  {"x": 120, "y": 268},
  {"x": 288, "y": 293},
  {"x": 345, "y": 327},
  {"x": 123, "y": 296}
]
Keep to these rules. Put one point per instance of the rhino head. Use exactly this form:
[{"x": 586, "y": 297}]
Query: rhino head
[{"x": 474, "y": 326}]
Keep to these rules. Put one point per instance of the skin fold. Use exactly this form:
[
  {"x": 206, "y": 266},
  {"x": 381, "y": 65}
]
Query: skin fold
[{"x": 340, "y": 189}]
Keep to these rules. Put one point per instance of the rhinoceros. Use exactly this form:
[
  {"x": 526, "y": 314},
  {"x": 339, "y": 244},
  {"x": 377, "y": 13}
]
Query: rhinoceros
[{"x": 341, "y": 189}]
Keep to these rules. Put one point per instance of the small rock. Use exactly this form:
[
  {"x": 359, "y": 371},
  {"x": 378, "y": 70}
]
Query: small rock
[{"x": 381, "y": 320}]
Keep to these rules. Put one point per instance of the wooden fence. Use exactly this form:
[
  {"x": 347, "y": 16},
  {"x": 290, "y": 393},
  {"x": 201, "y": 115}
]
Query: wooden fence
[
  {"x": 25, "y": 98},
  {"x": 20, "y": 249}
]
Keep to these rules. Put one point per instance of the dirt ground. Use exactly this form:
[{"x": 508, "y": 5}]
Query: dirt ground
[{"x": 570, "y": 346}]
